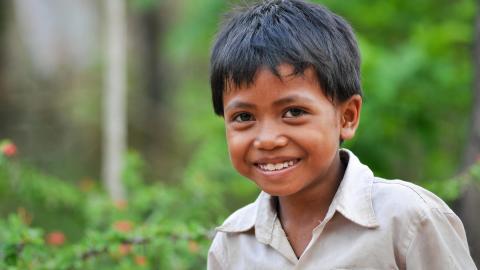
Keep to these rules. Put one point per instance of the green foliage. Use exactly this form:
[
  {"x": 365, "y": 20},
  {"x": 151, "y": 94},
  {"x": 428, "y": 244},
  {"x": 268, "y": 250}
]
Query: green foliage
[
  {"x": 158, "y": 227},
  {"x": 24, "y": 189},
  {"x": 16, "y": 238},
  {"x": 417, "y": 78}
]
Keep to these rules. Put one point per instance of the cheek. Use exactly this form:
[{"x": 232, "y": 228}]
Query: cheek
[
  {"x": 238, "y": 145},
  {"x": 318, "y": 141}
]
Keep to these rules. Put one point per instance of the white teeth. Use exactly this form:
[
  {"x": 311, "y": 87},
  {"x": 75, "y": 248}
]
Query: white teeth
[{"x": 276, "y": 166}]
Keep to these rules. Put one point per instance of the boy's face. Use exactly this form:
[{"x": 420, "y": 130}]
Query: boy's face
[{"x": 284, "y": 133}]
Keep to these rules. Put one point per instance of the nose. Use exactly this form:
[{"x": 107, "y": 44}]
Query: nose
[{"x": 269, "y": 138}]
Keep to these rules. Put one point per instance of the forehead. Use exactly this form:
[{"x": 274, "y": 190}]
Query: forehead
[
  {"x": 283, "y": 73},
  {"x": 268, "y": 87}
]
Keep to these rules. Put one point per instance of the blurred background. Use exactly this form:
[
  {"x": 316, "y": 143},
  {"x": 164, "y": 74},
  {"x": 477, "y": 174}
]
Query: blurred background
[{"x": 112, "y": 156}]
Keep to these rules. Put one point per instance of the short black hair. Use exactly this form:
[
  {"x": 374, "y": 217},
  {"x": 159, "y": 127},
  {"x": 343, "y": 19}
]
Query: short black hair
[{"x": 294, "y": 32}]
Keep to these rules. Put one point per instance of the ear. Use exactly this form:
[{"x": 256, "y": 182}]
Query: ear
[{"x": 350, "y": 117}]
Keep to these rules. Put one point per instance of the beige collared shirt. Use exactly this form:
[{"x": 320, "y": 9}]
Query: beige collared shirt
[{"x": 371, "y": 223}]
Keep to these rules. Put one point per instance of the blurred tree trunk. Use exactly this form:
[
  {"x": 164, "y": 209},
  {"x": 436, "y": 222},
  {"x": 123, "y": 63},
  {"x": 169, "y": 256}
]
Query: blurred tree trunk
[
  {"x": 114, "y": 140},
  {"x": 151, "y": 129},
  {"x": 151, "y": 34},
  {"x": 4, "y": 107},
  {"x": 470, "y": 201},
  {"x": 148, "y": 126}
]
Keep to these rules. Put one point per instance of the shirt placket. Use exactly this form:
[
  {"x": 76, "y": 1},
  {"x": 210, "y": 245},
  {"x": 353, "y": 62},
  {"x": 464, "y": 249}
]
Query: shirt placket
[
  {"x": 316, "y": 233},
  {"x": 280, "y": 243}
]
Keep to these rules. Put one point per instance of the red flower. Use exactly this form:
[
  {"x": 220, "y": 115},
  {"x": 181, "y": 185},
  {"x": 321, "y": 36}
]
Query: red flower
[
  {"x": 193, "y": 246},
  {"x": 124, "y": 249},
  {"x": 123, "y": 226},
  {"x": 9, "y": 149},
  {"x": 140, "y": 260},
  {"x": 56, "y": 238}
]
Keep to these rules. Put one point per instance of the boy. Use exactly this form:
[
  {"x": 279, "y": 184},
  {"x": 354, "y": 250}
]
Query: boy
[{"x": 285, "y": 75}]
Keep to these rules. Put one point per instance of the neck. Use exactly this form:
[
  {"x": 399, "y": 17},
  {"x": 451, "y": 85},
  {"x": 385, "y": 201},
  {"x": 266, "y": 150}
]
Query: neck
[{"x": 311, "y": 204}]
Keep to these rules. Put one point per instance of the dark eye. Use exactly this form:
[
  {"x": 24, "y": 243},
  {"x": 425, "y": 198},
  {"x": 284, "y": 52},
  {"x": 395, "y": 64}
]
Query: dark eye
[
  {"x": 243, "y": 117},
  {"x": 294, "y": 112}
]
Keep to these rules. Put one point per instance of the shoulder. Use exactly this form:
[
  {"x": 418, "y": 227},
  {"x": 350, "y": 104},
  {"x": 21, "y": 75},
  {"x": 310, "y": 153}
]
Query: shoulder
[
  {"x": 407, "y": 208},
  {"x": 241, "y": 220},
  {"x": 402, "y": 196},
  {"x": 414, "y": 217},
  {"x": 429, "y": 234}
]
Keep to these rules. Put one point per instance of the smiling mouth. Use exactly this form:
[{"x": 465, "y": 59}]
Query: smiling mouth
[{"x": 272, "y": 167}]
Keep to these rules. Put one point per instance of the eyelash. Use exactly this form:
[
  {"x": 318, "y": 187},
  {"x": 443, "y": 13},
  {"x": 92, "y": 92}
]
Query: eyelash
[
  {"x": 236, "y": 117},
  {"x": 300, "y": 110}
]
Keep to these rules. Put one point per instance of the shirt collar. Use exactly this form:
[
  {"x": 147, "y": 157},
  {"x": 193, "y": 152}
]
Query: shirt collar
[
  {"x": 354, "y": 195},
  {"x": 353, "y": 200}
]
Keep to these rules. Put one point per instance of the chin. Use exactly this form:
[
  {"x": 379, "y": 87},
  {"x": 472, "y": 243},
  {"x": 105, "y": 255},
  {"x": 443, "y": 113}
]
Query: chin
[{"x": 276, "y": 191}]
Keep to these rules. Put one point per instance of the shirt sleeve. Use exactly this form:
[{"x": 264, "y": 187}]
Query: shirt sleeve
[
  {"x": 217, "y": 253},
  {"x": 439, "y": 242}
]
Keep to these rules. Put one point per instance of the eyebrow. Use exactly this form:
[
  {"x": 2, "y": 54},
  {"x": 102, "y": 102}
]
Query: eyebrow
[
  {"x": 239, "y": 105},
  {"x": 292, "y": 99},
  {"x": 279, "y": 102}
]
